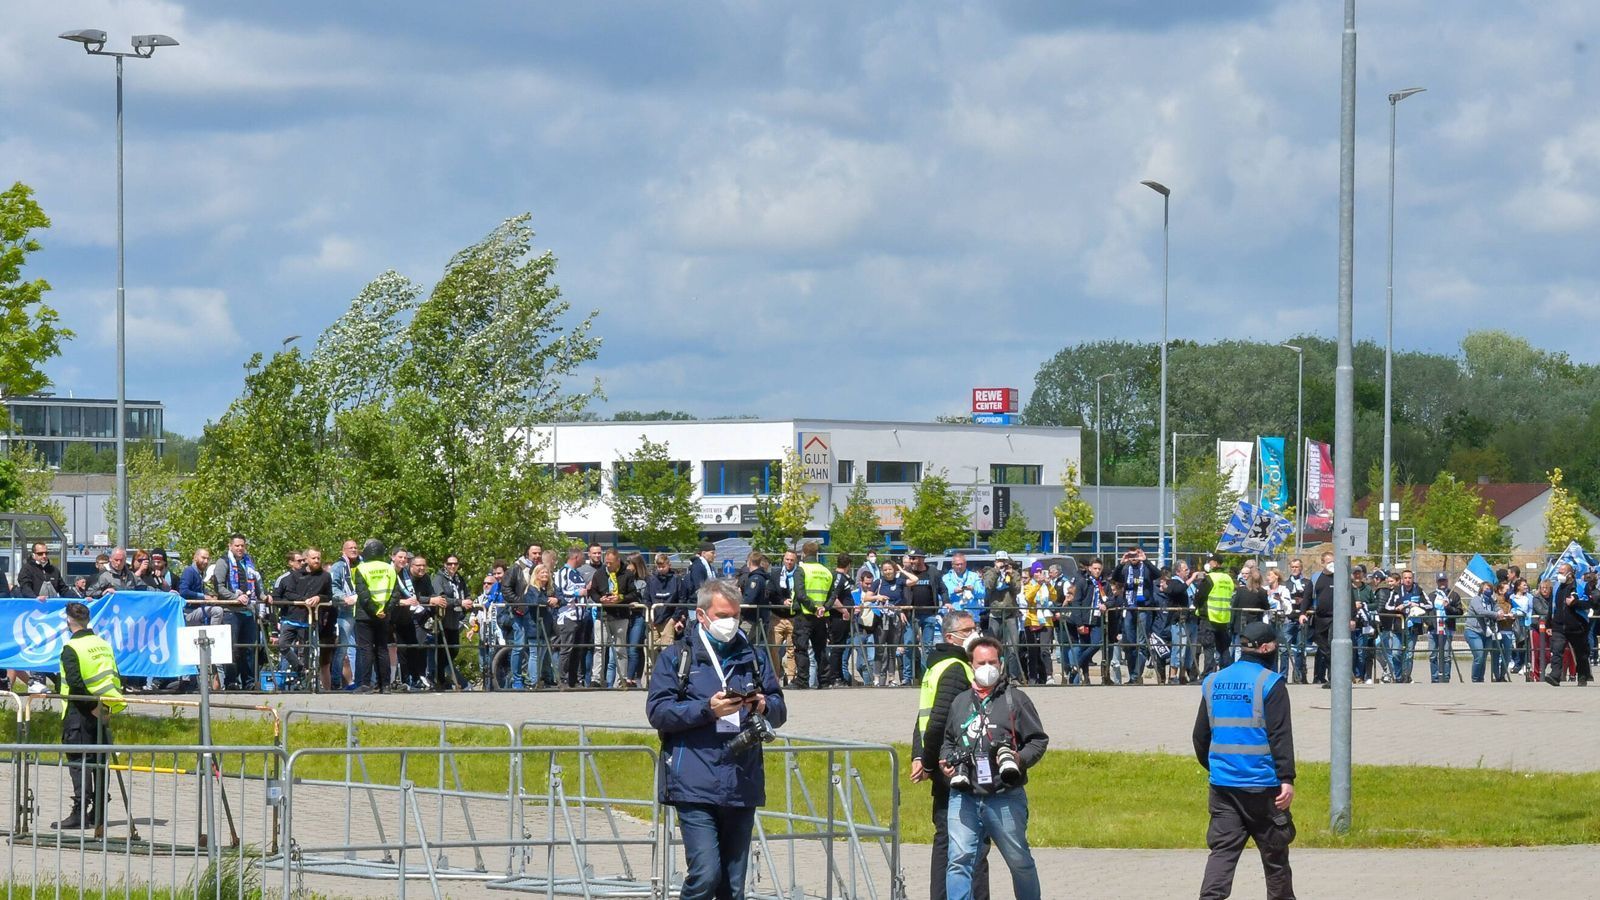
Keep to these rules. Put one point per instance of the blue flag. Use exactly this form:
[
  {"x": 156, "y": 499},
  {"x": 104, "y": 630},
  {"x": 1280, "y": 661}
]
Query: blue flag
[
  {"x": 141, "y": 627},
  {"x": 1575, "y": 556},
  {"x": 1477, "y": 575},
  {"x": 1274, "y": 490},
  {"x": 1253, "y": 529}
]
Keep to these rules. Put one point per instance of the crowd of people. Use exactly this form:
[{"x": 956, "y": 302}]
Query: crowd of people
[{"x": 381, "y": 619}]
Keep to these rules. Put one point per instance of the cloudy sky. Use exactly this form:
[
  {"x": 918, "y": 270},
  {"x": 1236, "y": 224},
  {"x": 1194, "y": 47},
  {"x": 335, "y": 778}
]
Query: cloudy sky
[{"x": 828, "y": 208}]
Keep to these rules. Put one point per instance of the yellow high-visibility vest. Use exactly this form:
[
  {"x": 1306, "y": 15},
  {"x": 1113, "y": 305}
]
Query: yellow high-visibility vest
[
  {"x": 1219, "y": 603},
  {"x": 97, "y": 665}
]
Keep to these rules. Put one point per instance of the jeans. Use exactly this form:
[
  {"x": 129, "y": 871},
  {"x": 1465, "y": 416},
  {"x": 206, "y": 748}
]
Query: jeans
[
  {"x": 932, "y": 635},
  {"x": 1281, "y": 663},
  {"x": 1363, "y": 655},
  {"x": 344, "y": 652},
  {"x": 525, "y": 643},
  {"x": 1001, "y": 818},
  {"x": 1296, "y": 638},
  {"x": 1008, "y": 630},
  {"x": 1183, "y": 636},
  {"x": 716, "y": 850},
  {"x": 1477, "y": 643},
  {"x": 1500, "y": 653},
  {"x": 1439, "y": 660},
  {"x": 636, "y": 648},
  {"x": 862, "y": 649},
  {"x": 1389, "y": 646},
  {"x": 1135, "y": 633},
  {"x": 1408, "y": 653}
]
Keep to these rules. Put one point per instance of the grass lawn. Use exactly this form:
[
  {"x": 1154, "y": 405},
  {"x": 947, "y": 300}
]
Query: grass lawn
[{"x": 1078, "y": 798}]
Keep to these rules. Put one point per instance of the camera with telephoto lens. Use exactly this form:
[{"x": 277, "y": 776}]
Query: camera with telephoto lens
[
  {"x": 1005, "y": 758},
  {"x": 757, "y": 731}
]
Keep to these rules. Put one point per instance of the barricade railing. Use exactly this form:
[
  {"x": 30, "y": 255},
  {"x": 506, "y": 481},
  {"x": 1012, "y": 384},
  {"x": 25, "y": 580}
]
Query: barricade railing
[{"x": 146, "y": 814}]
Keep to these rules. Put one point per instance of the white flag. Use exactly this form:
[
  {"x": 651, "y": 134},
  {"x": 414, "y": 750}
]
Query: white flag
[{"x": 1233, "y": 460}]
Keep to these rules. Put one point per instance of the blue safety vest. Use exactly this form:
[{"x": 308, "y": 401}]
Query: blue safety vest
[{"x": 1236, "y": 705}]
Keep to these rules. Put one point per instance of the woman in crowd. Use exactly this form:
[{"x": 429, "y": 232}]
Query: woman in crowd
[
  {"x": 1480, "y": 629},
  {"x": 1280, "y": 611},
  {"x": 490, "y": 630},
  {"x": 1039, "y": 602},
  {"x": 893, "y": 660},
  {"x": 1505, "y": 633}
]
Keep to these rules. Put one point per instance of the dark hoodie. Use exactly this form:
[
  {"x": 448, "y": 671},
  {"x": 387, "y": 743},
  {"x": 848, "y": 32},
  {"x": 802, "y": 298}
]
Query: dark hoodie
[{"x": 1009, "y": 718}]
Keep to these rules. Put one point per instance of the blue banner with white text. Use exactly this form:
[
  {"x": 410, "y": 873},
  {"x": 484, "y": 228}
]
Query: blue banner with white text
[
  {"x": 141, "y": 626},
  {"x": 1274, "y": 489}
]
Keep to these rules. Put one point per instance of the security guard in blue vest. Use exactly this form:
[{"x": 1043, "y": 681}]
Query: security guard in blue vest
[{"x": 1245, "y": 740}]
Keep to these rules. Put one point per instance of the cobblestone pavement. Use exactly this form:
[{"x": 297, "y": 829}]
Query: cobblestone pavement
[{"x": 1520, "y": 726}]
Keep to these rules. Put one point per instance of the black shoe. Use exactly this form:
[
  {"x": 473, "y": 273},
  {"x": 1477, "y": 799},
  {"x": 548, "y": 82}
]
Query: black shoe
[
  {"x": 73, "y": 821},
  {"x": 364, "y": 689}
]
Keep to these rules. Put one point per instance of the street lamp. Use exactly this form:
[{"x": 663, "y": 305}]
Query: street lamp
[
  {"x": 1388, "y": 344},
  {"x": 1098, "y": 381},
  {"x": 1299, "y": 444},
  {"x": 1161, "y": 439},
  {"x": 1182, "y": 434},
  {"x": 144, "y": 47}
]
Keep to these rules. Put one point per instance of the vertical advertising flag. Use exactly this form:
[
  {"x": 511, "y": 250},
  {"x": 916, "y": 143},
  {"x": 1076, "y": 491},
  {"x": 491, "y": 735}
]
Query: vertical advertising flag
[
  {"x": 1319, "y": 487},
  {"x": 1274, "y": 491},
  {"x": 1233, "y": 461}
]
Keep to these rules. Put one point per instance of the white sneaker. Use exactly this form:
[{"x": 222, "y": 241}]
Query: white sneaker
[
  {"x": 1370, "y": 681},
  {"x": 37, "y": 688}
]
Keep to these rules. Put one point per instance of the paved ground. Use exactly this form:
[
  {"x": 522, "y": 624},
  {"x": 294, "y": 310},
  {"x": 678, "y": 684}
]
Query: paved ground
[{"x": 1521, "y": 726}]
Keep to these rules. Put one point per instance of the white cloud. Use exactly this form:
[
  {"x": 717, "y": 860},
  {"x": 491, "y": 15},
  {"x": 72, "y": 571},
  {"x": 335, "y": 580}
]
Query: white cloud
[
  {"x": 334, "y": 254},
  {"x": 162, "y": 322}
]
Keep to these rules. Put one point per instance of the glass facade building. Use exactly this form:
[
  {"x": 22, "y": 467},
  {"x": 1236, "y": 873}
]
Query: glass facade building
[{"x": 52, "y": 424}]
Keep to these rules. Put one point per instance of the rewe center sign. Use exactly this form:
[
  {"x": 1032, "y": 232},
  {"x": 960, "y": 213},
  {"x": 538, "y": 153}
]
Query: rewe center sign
[{"x": 816, "y": 456}]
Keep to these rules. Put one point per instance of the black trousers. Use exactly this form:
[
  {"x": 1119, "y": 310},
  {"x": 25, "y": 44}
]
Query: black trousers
[
  {"x": 1323, "y": 635},
  {"x": 1559, "y": 642},
  {"x": 941, "y": 849},
  {"x": 1238, "y": 816},
  {"x": 372, "y": 646},
  {"x": 569, "y": 649},
  {"x": 810, "y": 644},
  {"x": 838, "y": 638},
  {"x": 83, "y": 728}
]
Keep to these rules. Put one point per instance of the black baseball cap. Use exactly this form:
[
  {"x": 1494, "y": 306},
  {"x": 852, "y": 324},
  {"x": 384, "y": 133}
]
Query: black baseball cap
[{"x": 1257, "y": 634}]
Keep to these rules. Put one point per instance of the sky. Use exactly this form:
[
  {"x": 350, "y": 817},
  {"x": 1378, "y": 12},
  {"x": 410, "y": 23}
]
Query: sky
[{"x": 823, "y": 209}]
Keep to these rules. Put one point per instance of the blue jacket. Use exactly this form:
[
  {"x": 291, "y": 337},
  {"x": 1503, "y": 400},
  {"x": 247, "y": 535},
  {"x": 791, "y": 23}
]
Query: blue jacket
[
  {"x": 192, "y": 583},
  {"x": 697, "y": 766}
]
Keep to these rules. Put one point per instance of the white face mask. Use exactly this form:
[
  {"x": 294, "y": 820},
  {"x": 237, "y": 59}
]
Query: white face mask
[
  {"x": 1560, "y": 578},
  {"x": 987, "y": 675},
  {"x": 967, "y": 644},
  {"x": 1329, "y": 568},
  {"x": 723, "y": 629}
]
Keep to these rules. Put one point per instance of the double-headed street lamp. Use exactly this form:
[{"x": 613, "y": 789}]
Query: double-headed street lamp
[
  {"x": 1161, "y": 440},
  {"x": 144, "y": 46},
  {"x": 1388, "y": 344}
]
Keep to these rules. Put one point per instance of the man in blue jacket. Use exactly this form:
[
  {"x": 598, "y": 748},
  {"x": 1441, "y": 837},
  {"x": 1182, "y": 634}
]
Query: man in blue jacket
[{"x": 699, "y": 708}]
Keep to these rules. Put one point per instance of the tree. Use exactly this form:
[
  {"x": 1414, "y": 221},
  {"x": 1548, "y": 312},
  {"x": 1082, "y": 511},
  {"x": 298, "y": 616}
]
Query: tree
[
  {"x": 855, "y": 528},
  {"x": 29, "y": 326},
  {"x": 82, "y": 458},
  {"x": 781, "y": 518},
  {"x": 660, "y": 415},
  {"x": 1204, "y": 506},
  {"x": 938, "y": 517},
  {"x": 1564, "y": 521},
  {"x": 1450, "y": 520},
  {"x": 1073, "y": 514},
  {"x": 651, "y": 499},
  {"x": 1014, "y": 536},
  {"x": 25, "y": 484},
  {"x": 152, "y": 488}
]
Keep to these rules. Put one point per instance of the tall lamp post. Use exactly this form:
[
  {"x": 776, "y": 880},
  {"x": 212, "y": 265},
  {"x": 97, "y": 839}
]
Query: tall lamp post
[
  {"x": 1386, "y": 516},
  {"x": 1299, "y": 445},
  {"x": 1161, "y": 440},
  {"x": 1344, "y": 384},
  {"x": 1098, "y": 381},
  {"x": 144, "y": 47},
  {"x": 1181, "y": 434}
]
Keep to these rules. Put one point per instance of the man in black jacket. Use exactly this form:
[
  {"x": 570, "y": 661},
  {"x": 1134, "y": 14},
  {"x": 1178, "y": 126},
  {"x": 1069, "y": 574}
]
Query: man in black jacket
[
  {"x": 992, "y": 737},
  {"x": 1321, "y": 618},
  {"x": 38, "y": 576},
  {"x": 948, "y": 675},
  {"x": 1569, "y": 627}
]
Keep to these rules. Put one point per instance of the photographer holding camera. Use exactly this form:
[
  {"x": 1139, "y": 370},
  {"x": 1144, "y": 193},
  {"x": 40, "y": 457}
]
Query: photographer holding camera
[
  {"x": 714, "y": 700},
  {"x": 992, "y": 737}
]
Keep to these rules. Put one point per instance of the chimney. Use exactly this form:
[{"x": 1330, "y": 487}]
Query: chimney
[{"x": 1483, "y": 479}]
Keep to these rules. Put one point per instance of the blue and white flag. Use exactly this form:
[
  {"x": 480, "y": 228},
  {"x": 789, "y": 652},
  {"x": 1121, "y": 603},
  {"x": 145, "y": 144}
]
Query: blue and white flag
[
  {"x": 1274, "y": 490},
  {"x": 141, "y": 627},
  {"x": 1575, "y": 556},
  {"x": 1253, "y": 529},
  {"x": 1477, "y": 575}
]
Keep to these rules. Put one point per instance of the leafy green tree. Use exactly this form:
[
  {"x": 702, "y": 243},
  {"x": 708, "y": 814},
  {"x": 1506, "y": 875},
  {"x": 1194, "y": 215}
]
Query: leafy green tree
[
  {"x": 855, "y": 528},
  {"x": 82, "y": 459},
  {"x": 181, "y": 452},
  {"x": 30, "y": 482},
  {"x": 152, "y": 488},
  {"x": 1455, "y": 519},
  {"x": 1402, "y": 493},
  {"x": 1564, "y": 521},
  {"x": 29, "y": 325},
  {"x": 1014, "y": 536},
  {"x": 781, "y": 518},
  {"x": 1204, "y": 505},
  {"x": 651, "y": 499},
  {"x": 1073, "y": 514},
  {"x": 938, "y": 516}
]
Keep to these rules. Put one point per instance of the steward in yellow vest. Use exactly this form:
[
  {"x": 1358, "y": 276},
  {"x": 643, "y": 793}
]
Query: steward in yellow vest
[
  {"x": 374, "y": 580},
  {"x": 89, "y": 671}
]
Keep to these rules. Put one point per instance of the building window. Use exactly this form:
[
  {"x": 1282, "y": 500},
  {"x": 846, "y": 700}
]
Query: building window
[
  {"x": 624, "y": 470},
  {"x": 589, "y": 471},
  {"x": 1000, "y": 473},
  {"x": 740, "y": 476},
  {"x": 893, "y": 472},
  {"x": 847, "y": 471}
]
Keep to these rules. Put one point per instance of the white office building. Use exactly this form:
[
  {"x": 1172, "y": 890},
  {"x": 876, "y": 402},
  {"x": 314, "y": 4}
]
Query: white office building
[{"x": 1011, "y": 465}]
